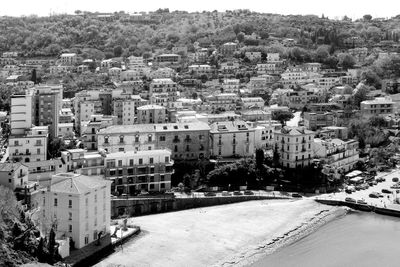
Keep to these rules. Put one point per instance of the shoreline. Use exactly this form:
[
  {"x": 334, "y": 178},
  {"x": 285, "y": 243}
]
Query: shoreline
[{"x": 267, "y": 247}]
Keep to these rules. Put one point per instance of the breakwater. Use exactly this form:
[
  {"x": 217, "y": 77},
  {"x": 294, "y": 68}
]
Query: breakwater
[{"x": 361, "y": 207}]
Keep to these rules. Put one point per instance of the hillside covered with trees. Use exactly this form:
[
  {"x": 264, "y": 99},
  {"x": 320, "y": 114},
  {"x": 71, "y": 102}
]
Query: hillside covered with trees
[{"x": 122, "y": 34}]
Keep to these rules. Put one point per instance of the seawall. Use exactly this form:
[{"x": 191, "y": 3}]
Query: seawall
[{"x": 143, "y": 206}]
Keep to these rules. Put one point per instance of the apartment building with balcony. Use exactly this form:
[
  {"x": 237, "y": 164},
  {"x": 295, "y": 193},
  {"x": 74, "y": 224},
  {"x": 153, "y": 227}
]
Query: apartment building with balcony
[
  {"x": 186, "y": 140},
  {"x": 90, "y": 130},
  {"x": 379, "y": 106},
  {"x": 80, "y": 207},
  {"x": 152, "y": 114},
  {"x": 119, "y": 138},
  {"x": 232, "y": 139},
  {"x": 298, "y": 99},
  {"x": 30, "y": 146},
  {"x": 124, "y": 110},
  {"x": 295, "y": 146},
  {"x": 340, "y": 155},
  {"x": 68, "y": 58},
  {"x": 314, "y": 121},
  {"x": 231, "y": 86},
  {"x": 252, "y": 103},
  {"x": 134, "y": 171},
  {"x": 224, "y": 101}
]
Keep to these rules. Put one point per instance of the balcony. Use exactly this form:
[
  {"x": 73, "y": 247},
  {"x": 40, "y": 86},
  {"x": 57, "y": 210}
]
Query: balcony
[
  {"x": 176, "y": 140},
  {"x": 188, "y": 140},
  {"x": 38, "y": 144},
  {"x": 303, "y": 141}
]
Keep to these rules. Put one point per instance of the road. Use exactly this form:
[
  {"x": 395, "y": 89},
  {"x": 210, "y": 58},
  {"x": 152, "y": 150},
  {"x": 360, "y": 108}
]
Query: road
[{"x": 386, "y": 201}]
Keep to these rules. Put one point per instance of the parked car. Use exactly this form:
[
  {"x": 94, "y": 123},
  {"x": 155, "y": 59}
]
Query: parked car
[
  {"x": 395, "y": 186},
  {"x": 374, "y": 195},
  {"x": 361, "y": 201},
  {"x": 248, "y": 192},
  {"x": 395, "y": 179},
  {"x": 386, "y": 191},
  {"x": 209, "y": 194},
  {"x": 348, "y": 191},
  {"x": 237, "y": 193},
  {"x": 226, "y": 193},
  {"x": 297, "y": 195},
  {"x": 349, "y": 199}
]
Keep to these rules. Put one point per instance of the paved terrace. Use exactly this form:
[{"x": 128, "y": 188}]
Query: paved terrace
[{"x": 385, "y": 202}]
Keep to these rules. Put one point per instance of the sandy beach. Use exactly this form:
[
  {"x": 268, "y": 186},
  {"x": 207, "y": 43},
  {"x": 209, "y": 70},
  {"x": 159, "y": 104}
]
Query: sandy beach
[{"x": 235, "y": 234}]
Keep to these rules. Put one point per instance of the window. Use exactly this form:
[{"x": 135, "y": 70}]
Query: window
[
  {"x": 70, "y": 228},
  {"x": 162, "y": 138},
  {"x": 95, "y": 198},
  {"x": 131, "y": 162},
  {"x": 70, "y": 203},
  {"x": 162, "y": 185},
  {"x": 95, "y": 210},
  {"x": 151, "y": 160},
  {"x": 121, "y": 138},
  {"x": 70, "y": 216},
  {"x": 162, "y": 177},
  {"x": 137, "y": 138},
  {"x": 86, "y": 238},
  {"x": 106, "y": 139},
  {"x": 87, "y": 214},
  {"x": 120, "y": 163},
  {"x": 95, "y": 221},
  {"x": 151, "y": 186},
  {"x": 38, "y": 151},
  {"x": 150, "y": 138},
  {"x": 166, "y": 159},
  {"x": 176, "y": 148},
  {"x": 55, "y": 202},
  {"x": 140, "y": 161},
  {"x": 121, "y": 149}
]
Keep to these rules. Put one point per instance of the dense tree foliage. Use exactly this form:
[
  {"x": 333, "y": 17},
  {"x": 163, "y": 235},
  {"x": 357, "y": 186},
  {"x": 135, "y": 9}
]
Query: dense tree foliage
[{"x": 86, "y": 33}]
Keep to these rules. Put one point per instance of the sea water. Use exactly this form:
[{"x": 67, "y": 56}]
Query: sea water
[{"x": 357, "y": 239}]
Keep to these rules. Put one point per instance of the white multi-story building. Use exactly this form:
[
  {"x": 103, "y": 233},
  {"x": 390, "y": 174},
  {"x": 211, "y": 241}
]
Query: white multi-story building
[
  {"x": 127, "y": 137},
  {"x": 231, "y": 86},
  {"x": 78, "y": 206},
  {"x": 30, "y": 146},
  {"x": 337, "y": 153},
  {"x": 152, "y": 114},
  {"x": 232, "y": 138},
  {"x": 124, "y": 110},
  {"x": 252, "y": 102},
  {"x": 272, "y": 57},
  {"x": 380, "y": 106},
  {"x": 225, "y": 101},
  {"x": 253, "y": 56},
  {"x": 295, "y": 146},
  {"x": 68, "y": 58},
  {"x": 65, "y": 129},
  {"x": 21, "y": 112}
]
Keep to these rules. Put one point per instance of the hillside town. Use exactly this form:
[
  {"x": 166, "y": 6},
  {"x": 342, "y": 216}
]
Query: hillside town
[{"x": 85, "y": 140}]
